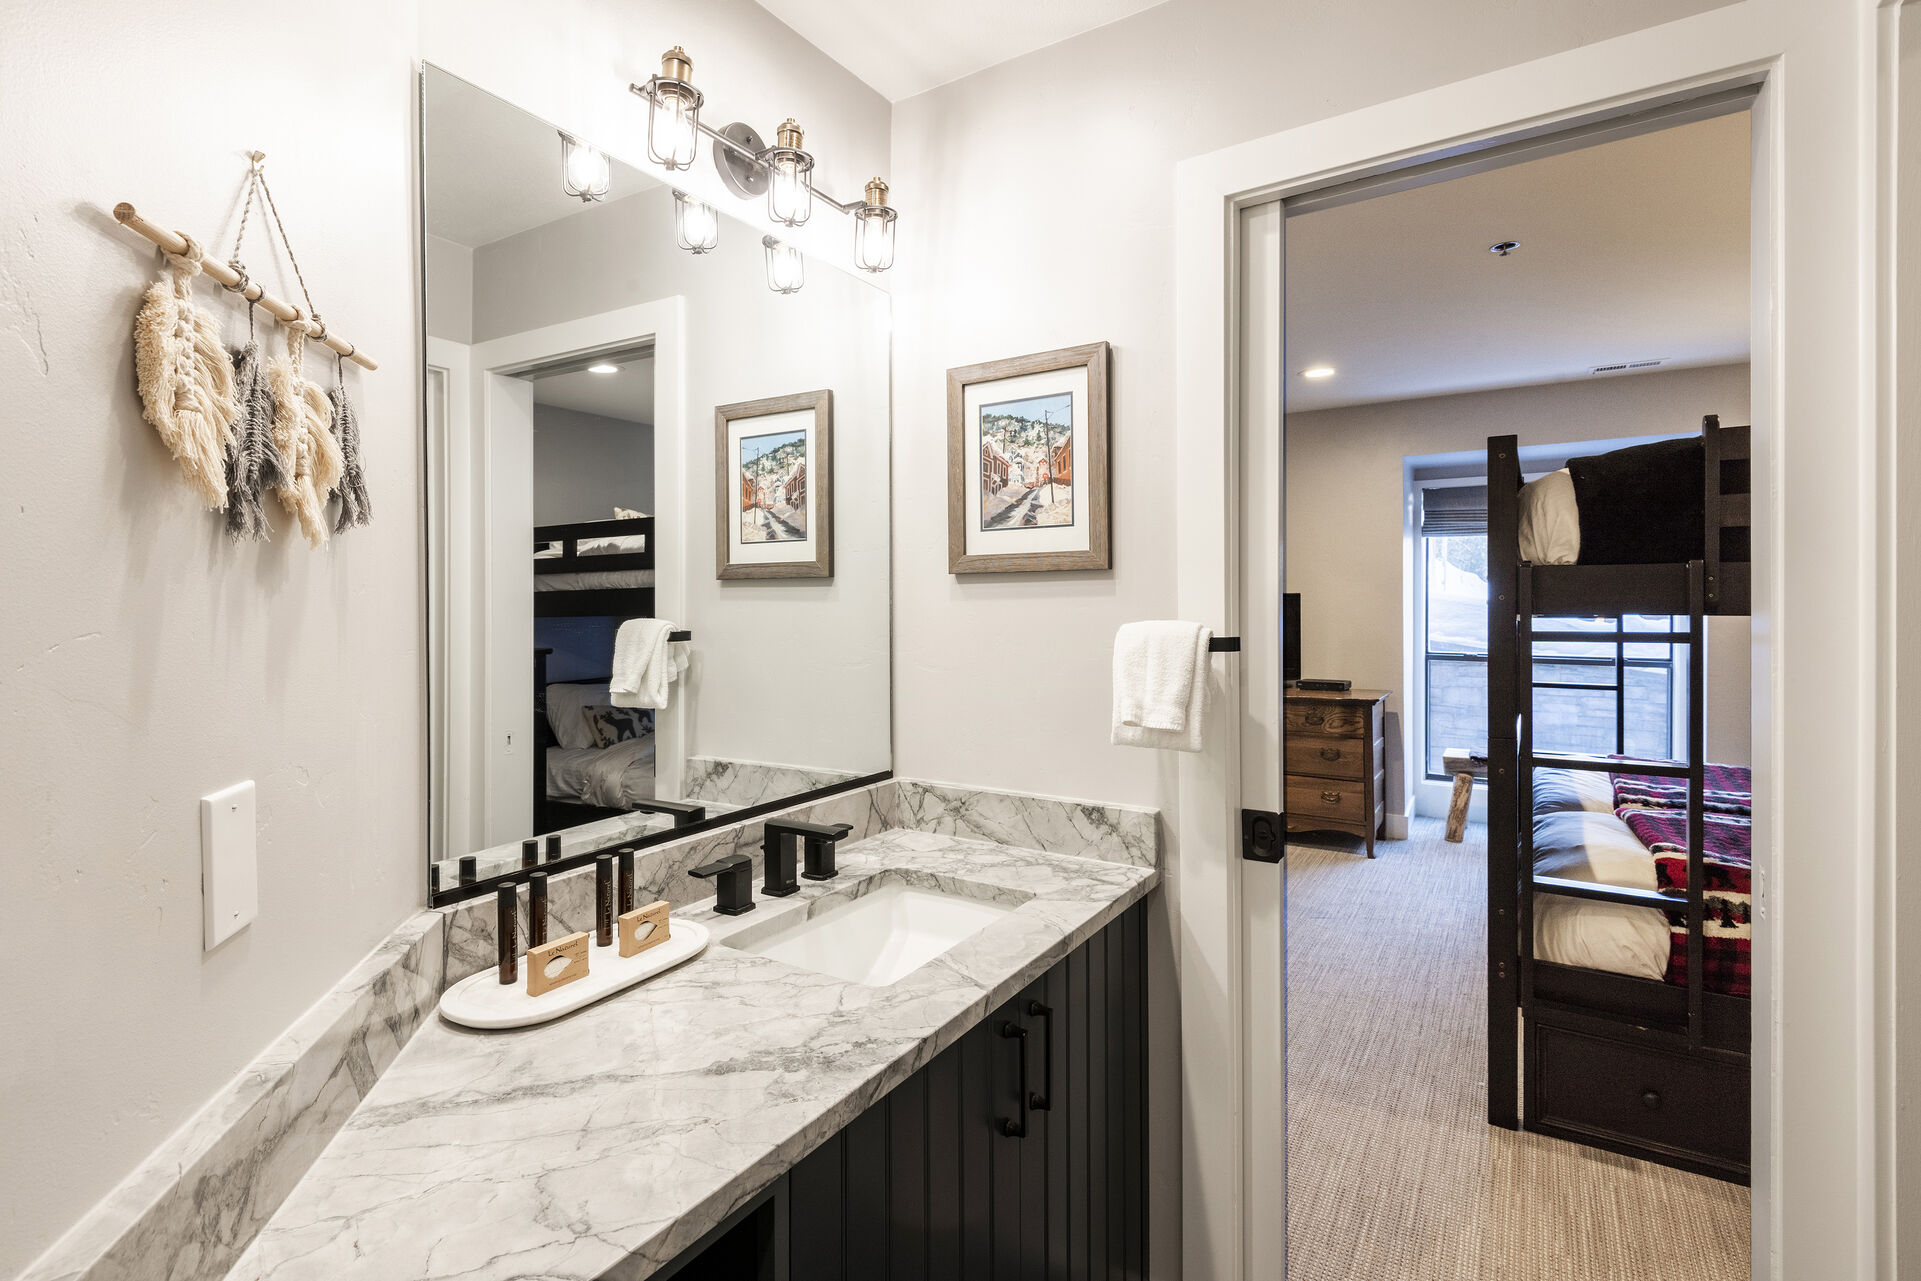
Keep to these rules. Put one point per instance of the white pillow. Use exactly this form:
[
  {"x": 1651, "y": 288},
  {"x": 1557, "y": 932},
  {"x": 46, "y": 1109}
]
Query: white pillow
[
  {"x": 564, "y": 714},
  {"x": 1550, "y": 520},
  {"x": 627, "y": 513}
]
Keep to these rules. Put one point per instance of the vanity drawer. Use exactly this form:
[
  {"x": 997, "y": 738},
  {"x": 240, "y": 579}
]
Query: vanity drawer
[
  {"x": 1335, "y": 720},
  {"x": 1327, "y": 757},
  {"x": 1327, "y": 798},
  {"x": 1619, "y": 1093}
]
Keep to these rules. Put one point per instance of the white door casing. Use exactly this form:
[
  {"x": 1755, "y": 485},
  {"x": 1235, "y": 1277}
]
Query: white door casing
[{"x": 1818, "y": 937}]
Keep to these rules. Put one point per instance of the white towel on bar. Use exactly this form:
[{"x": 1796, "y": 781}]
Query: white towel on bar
[
  {"x": 644, "y": 663},
  {"x": 1160, "y": 685}
]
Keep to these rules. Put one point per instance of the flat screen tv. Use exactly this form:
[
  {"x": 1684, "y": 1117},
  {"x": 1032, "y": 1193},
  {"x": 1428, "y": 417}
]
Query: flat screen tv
[{"x": 1291, "y": 636}]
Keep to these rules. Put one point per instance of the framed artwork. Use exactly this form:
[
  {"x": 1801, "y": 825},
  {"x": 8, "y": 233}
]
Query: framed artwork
[
  {"x": 774, "y": 487},
  {"x": 1027, "y": 463}
]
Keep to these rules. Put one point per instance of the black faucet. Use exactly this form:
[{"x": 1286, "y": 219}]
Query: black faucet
[
  {"x": 733, "y": 883},
  {"x": 817, "y": 841},
  {"x": 685, "y": 813}
]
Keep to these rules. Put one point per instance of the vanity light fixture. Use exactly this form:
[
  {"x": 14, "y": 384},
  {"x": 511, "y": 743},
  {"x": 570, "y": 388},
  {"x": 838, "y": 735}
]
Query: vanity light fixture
[
  {"x": 584, "y": 172},
  {"x": 1318, "y": 371},
  {"x": 696, "y": 225},
  {"x": 786, "y": 270},
  {"x": 603, "y": 368},
  {"x": 790, "y": 193},
  {"x": 673, "y": 112},
  {"x": 874, "y": 230}
]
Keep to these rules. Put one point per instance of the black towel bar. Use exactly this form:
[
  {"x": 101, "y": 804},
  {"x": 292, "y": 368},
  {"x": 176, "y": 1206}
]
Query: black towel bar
[
  {"x": 1224, "y": 645},
  {"x": 687, "y": 636}
]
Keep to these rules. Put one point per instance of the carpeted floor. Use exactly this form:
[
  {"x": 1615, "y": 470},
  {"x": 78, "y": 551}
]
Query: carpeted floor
[{"x": 1393, "y": 1172}]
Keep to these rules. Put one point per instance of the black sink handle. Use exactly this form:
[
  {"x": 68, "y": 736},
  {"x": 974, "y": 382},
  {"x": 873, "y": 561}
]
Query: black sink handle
[{"x": 1009, "y": 1126}]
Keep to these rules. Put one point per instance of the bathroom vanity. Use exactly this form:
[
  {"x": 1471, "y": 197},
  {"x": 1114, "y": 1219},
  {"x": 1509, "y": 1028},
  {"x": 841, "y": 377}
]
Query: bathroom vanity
[{"x": 747, "y": 1106}]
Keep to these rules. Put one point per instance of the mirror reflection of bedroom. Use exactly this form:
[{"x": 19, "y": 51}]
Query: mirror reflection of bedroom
[
  {"x": 1518, "y": 794},
  {"x": 594, "y": 550}
]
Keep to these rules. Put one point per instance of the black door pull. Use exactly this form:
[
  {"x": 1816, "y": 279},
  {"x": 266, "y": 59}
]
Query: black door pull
[
  {"x": 1043, "y": 1102},
  {"x": 1009, "y": 1126}
]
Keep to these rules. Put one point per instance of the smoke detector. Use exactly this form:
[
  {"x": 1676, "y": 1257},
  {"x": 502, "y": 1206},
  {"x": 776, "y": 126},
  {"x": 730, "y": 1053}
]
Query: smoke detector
[{"x": 1628, "y": 366}]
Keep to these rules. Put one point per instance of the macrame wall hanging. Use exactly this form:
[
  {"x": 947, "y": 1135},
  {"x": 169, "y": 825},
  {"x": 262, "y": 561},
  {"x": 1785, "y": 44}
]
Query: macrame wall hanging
[{"x": 243, "y": 425}]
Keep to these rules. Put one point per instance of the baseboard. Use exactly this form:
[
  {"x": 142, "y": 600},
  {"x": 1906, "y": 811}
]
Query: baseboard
[{"x": 1395, "y": 828}]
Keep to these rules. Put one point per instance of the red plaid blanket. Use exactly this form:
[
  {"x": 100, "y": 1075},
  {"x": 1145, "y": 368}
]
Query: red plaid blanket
[
  {"x": 1726, "y": 789},
  {"x": 1728, "y": 864}
]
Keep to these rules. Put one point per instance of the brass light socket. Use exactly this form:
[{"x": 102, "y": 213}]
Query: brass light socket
[
  {"x": 876, "y": 192},
  {"x": 788, "y": 135},
  {"x": 676, "y": 65}
]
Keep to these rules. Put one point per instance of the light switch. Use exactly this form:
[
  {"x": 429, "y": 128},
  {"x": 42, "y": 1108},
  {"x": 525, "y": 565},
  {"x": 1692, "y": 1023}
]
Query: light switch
[{"x": 229, "y": 869}]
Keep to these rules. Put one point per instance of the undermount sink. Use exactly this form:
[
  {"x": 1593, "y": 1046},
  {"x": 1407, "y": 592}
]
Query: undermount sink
[{"x": 878, "y": 934}]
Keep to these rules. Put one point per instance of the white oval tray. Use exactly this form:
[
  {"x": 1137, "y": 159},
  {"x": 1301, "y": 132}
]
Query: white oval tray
[{"x": 483, "y": 1001}]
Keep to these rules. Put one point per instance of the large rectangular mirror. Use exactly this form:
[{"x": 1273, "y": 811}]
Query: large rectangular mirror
[{"x": 658, "y": 504}]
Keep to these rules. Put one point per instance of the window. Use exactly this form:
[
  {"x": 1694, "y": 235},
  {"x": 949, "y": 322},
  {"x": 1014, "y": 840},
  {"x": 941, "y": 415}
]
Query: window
[{"x": 1589, "y": 697}]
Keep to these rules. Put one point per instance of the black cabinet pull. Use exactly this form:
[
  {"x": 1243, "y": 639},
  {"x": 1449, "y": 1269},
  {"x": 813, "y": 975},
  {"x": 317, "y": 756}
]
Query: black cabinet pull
[
  {"x": 1009, "y": 1126},
  {"x": 1044, "y": 1102}
]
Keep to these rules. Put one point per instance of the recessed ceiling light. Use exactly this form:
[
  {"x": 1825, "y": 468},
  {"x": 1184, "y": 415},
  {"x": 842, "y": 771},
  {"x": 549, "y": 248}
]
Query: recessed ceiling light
[
  {"x": 1502, "y": 248},
  {"x": 1318, "y": 371},
  {"x": 603, "y": 368}
]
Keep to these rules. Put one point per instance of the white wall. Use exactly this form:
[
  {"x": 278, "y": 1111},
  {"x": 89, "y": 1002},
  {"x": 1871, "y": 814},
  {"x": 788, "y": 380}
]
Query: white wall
[
  {"x": 1347, "y": 546},
  {"x": 146, "y": 660},
  {"x": 1037, "y": 212},
  {"x": 450, "y": 290},
  {"x": 586, "y": 464}
]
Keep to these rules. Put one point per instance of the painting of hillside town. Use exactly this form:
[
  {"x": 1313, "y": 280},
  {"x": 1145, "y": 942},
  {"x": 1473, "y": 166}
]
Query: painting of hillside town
[
  {"x": 1027, "y": 463},
  {"x": 773, "y": 488}
]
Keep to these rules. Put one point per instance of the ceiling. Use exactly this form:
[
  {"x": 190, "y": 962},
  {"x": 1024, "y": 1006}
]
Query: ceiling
[
  {"x": 1630, "y": 250},
  {"x": 492, "y": 170},
  {"x": 628, "y": 394},
  {"x": 901, "y": 49}
]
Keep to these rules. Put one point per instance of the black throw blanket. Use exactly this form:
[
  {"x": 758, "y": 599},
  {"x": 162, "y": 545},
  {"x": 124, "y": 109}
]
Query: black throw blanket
[{"x": 1644, "y": 505}]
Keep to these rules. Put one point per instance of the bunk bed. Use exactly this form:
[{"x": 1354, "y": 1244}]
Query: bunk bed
[
  {"x": 1635, "y": 1056},
  {"x": 588, "y": 569}
]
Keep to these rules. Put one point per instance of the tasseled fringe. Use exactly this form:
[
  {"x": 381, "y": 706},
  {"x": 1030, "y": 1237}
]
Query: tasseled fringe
[
  {"x": 355, "y": 509},
  {"x": 185, "y": 378},
  {"x": 254, "y": 465},
  {"x": 307, "y": 449}
]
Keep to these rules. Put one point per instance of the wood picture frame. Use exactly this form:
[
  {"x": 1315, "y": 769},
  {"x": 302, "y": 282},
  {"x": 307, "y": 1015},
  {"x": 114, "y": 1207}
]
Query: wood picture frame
[
  {"x": 763, "y": 526},
  {"x": 1010, "y": 482}
]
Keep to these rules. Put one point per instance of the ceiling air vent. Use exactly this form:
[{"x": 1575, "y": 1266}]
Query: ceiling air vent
[{"x": 1628, "y": 366}]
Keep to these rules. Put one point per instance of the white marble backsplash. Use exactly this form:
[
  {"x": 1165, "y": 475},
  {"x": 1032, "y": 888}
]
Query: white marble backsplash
[
  {"x": 1090, "y": 829},
  {"x": 744, "y": 783},
  {"x": 202, "y": 1197}
]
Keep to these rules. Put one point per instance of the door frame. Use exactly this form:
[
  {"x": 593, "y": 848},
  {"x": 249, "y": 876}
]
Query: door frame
[
  {"x": 1820, "y": 1107},
  {"x": 663, "y": 322}
]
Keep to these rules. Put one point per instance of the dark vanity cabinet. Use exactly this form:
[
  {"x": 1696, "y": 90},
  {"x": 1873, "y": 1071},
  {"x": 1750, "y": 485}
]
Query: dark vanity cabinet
[{"x": 950, "y": 1177}]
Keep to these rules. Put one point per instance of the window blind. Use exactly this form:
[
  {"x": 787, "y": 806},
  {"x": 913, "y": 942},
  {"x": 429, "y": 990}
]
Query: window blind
[{"x": 1453, "y": 510}]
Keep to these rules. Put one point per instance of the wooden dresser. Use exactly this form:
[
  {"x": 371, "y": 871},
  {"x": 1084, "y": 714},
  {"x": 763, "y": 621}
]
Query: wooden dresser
[{"x": 1336, "y": 762}]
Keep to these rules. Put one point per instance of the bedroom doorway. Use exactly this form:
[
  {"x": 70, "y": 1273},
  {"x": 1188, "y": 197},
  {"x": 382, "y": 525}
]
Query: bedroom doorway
[{"x": 1581, "y": 295}]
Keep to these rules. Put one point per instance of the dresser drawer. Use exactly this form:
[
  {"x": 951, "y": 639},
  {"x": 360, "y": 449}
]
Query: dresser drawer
[
  {"x": 1640, "y": 1096},
  {"x": 1335, "y": 720},
  {"x": 1327, "y": 798},
  {"x": 1327, "y": 757}
]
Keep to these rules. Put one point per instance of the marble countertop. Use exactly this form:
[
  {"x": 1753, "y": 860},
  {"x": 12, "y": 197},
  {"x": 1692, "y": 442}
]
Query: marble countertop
[{"x": 606, "y": 1142}]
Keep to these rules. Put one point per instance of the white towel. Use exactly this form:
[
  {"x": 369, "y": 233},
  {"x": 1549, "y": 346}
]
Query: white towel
[
  {"x": 1160, "y": 685},
  {"x": 644, "y": 663}
]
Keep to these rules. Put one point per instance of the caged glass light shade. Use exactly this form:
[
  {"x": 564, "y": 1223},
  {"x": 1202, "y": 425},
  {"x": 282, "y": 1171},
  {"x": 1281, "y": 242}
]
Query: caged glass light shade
[
  {"x": 874, "y": 230},
  {"x": 584, "y": 172},
  {"x": 696, "y": 224},
  {"x": 790, "y": 177},
  {"x": 673, "y": 112},
  {"x": 786, "y": 272}
]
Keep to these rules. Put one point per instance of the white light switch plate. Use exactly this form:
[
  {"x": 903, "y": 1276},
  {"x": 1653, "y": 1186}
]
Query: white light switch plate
[{"x": 229, "y": 869}]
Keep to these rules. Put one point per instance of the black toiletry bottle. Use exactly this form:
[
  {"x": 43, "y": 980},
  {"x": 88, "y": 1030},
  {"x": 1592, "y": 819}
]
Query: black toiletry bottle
[
  {"x": 530, "y": 852},
  {"x": 626, "y": 880},
  {"x": 604, "y": 900},
  {"x": 506, "y": 900},
  {"x": 536, "y": 909},
  {"x": 469, "y": 869},
  {"x": 553, "y": 848}
]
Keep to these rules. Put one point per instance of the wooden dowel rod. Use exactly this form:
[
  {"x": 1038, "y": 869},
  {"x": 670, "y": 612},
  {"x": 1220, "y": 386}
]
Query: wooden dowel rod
[{"x": 172, "y": 243}]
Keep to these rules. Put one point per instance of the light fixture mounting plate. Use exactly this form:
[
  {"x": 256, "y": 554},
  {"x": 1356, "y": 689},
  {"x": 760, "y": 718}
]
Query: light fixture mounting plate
[{"x": 745, "y": 178}]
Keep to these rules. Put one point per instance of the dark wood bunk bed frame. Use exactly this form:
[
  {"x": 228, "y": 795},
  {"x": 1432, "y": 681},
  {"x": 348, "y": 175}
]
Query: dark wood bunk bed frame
[
  {"x": 1636, "y": 1066},
  {"x": 589, "y": 602}
]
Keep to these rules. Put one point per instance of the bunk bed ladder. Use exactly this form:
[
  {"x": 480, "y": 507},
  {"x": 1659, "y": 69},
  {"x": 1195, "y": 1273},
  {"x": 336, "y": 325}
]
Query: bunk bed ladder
[
  {"x": 1697, "y": 799},
  {"x": 1503, "y": 791},
  {"x": 1524, "y": 807}
]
